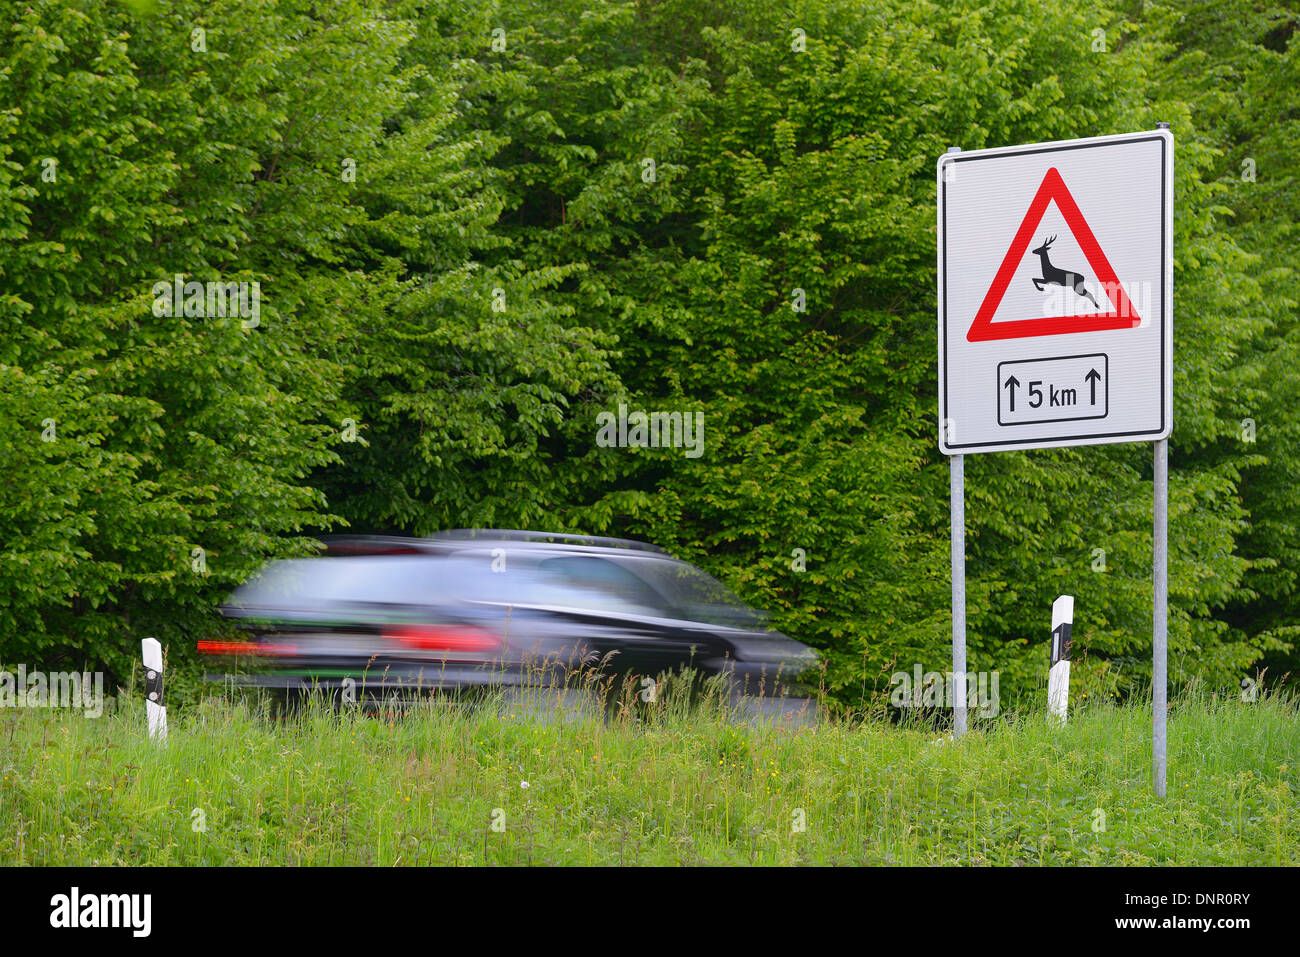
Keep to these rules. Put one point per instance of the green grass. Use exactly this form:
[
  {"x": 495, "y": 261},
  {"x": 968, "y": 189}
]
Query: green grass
[{"x": 677, "y": 787}]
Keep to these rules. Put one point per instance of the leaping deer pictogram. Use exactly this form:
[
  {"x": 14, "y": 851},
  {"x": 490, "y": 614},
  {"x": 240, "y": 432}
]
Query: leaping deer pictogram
[{"x": 1052, "y": 276}]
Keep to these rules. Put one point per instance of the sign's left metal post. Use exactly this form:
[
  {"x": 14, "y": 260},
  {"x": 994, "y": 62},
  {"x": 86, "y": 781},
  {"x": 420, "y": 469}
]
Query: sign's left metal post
[
  {"x": 957, "y": 505},
  {"x": 957, "y": 510}
]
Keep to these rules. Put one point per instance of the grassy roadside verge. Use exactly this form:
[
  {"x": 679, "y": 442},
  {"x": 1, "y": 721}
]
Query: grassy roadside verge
[{"x": 231, "y": 787}]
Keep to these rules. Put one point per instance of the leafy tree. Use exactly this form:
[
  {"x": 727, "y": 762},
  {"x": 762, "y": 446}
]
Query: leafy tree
[
  {"x": 478, "y": 227},
  {"x": 783, "y": 169},
  {"x": 225, "y": 141}
]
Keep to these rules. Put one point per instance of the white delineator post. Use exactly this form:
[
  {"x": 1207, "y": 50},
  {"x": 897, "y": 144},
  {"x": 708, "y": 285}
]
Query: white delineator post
[
  {"x": 1058, "y": 678},
  {"x": 154, "y": 705}
]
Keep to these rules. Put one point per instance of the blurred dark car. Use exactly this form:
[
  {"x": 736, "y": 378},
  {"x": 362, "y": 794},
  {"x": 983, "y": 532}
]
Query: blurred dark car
[{"x": 481, "y": 608}]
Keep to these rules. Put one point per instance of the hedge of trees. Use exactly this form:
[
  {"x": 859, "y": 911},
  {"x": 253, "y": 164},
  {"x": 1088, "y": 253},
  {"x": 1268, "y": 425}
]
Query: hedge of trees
[{"x": 477, "y": 226}]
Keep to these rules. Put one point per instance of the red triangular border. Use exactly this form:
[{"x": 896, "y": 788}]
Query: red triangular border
[{"x": 1123, "y": 316}]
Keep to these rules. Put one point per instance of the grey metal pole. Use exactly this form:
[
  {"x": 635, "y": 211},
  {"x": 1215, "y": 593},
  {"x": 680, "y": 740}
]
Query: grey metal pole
[
  {"x": 1159, "y": 617},
  {"x": 1160, "y": 609},
  {"x": 957, "y": 506},
  {"x": 957, "y": 510}
]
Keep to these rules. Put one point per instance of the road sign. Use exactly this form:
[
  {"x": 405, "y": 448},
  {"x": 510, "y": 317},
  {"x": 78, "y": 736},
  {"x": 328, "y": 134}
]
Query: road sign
[
  {"x": 1086, "y": 357},
  {"x": 1055, "y": 294}
]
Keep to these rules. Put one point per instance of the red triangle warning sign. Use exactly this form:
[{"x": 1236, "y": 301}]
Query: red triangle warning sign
[{"x": 1121, "y": 314}]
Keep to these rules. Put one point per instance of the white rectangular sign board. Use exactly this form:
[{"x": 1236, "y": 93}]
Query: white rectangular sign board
[{"x": 1056, "y": 293}]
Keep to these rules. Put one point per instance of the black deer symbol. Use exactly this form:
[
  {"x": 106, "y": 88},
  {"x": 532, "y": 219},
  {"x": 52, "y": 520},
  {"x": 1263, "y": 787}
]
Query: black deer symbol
[{"x": 1052, "y": 276}]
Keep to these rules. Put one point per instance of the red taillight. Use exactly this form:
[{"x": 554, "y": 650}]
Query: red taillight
[
  {"x": 460, "y": 638},
  {"x": 244, "y": 648}
]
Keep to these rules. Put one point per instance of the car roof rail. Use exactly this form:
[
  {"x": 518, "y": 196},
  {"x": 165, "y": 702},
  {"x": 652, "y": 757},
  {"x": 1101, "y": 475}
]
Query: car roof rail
[
  {"x": 340, "y": 545},
  {"x": 522, "y": 535}
]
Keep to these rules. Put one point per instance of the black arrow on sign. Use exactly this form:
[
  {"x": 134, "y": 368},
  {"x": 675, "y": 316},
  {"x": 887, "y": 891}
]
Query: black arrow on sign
[
  {"x": 1093, "y": 377},
  {"x": 1010, "y": 385}
]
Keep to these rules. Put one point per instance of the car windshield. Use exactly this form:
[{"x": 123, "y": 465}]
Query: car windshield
[{"x": 698, "y": 596}]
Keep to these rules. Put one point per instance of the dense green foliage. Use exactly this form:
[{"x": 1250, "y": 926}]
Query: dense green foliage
[{"x": 477, "y": 226}]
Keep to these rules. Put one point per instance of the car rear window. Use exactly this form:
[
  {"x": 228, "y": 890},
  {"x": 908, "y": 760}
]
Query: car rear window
[{"x": 312, "y": 582}]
